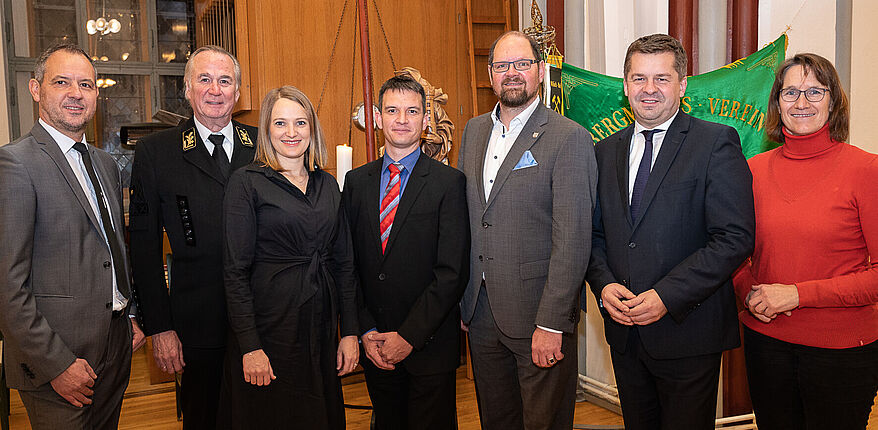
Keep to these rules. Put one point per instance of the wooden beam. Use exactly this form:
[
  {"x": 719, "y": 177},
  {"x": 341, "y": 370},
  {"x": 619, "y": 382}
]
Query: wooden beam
[
  {"x": 743, "y": 21},
  {"x": 555, "y": 18},
  {"x": 366, "y": 61},
  {"x": 683, "y": 26},
  {"x": 742, "y": 18}
]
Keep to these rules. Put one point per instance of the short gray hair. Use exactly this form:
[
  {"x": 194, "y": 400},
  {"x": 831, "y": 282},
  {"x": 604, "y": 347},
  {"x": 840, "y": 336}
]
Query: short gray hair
[
  {"x": 187, "y": 73},
  {"x": 40, "y": 66}
]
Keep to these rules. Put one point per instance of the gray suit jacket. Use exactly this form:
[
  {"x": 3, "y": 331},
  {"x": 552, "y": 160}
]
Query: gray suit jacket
[
  {"x": 55, "y": 273},
  {"x": 532, "y": 238}
]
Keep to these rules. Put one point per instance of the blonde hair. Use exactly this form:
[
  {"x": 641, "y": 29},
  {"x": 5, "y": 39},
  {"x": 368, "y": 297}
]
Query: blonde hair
[{"x": 315, "y": 155}]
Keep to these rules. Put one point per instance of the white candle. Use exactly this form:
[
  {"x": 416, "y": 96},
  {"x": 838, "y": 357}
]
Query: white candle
[{"x": 343, "y": 160}]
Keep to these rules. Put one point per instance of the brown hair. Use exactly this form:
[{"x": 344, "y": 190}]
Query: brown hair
[
  {"x": 824, "y": 71},
  {"x": 315, "y": 155},
  {"x": 40, "y": 66},
  {"x": 534, "y": 46},
  {"x": 658, "y": 44}
]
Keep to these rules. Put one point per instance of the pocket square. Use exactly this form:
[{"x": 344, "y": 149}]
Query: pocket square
[{"x": 527, "y": 160}]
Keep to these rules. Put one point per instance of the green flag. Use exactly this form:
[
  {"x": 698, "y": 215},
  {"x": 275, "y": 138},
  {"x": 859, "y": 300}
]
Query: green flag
[{"x": 735, "y": 95}]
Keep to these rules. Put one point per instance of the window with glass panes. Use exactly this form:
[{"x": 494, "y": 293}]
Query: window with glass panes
[{"x": 139, "y": 48}]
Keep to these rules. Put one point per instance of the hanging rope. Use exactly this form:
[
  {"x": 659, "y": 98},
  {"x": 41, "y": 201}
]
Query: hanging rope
[
  {"x": 384, "y": 33},
  {"x": 332, "y": 55},
  {"x": 353, "y": 67}
]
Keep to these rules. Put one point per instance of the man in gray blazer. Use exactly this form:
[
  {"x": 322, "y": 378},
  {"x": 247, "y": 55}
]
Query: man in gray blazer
[
  {"x": 531, "y": 179},
  {"x": 64, "y": 290}
]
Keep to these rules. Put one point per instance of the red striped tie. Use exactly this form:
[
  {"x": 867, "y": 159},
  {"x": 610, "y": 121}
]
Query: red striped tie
[{"x": 389, "y": 204}]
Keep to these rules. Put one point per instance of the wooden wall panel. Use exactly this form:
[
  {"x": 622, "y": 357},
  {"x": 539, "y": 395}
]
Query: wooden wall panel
[
  {"x": 487, "y": 99},
  {"x": 290, "y": 43},
  {"x": 483, "y": 9}
]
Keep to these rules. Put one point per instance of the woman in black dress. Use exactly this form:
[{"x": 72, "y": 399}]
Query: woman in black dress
[{"x": 288, "y": 277}]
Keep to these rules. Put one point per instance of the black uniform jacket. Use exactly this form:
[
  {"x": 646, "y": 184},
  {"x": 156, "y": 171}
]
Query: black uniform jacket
[{"x": 176, "y": 186}]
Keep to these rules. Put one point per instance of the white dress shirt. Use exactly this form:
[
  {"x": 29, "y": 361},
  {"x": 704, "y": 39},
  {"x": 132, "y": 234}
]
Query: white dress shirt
[
  {"x": 74, "y": 158},
  {"x": 228, "y": 135},
  {"x": 635, "y": 149},
  {"x": 501, "y": 142}
]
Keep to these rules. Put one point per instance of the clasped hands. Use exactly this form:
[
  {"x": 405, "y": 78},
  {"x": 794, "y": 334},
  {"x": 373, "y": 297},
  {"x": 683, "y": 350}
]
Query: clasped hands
[
  {"x": 385, "y": 349},
  {"x": 767, "y": 301},
  {"x": 629, "y": 309}
]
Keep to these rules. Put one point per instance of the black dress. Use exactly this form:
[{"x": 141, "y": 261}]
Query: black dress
[{"x": 288, "y": 277}]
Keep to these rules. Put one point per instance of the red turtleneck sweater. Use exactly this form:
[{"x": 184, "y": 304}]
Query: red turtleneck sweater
[{"x": 816, "y": 227}]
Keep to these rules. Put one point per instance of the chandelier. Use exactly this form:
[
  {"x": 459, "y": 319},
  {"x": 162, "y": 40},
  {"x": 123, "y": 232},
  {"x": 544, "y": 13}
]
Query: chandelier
[
  {"x": 103, "y": 26},
  {"x": 105, "y": 82}
]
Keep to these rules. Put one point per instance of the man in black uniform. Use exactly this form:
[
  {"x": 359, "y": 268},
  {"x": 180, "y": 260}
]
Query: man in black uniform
[{"x": 177, "y": 184}]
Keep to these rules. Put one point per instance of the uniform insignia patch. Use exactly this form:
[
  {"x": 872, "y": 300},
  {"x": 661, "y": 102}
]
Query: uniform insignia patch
[
  {"x": 244, "y": 136},
  {"x": 189, "y": 139}
]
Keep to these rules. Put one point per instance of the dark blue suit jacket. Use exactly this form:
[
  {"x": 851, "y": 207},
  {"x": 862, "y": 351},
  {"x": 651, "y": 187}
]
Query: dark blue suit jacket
[{"x": 695, "y": 227}]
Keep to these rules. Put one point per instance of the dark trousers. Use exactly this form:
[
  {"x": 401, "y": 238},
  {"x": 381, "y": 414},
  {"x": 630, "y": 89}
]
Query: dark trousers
[
  {"x": 403, "y": 401},
  {"x": 200, "y": 385},
  {"x": 512, "y": 392},
  {"x": 802, "y": 387},
  {"x": 47, "y": 410},
  {"x": 668, "y": 394}
]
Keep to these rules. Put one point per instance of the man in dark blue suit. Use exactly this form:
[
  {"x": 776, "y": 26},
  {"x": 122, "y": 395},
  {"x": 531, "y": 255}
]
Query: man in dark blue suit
[{"x": 674, "y": 219}]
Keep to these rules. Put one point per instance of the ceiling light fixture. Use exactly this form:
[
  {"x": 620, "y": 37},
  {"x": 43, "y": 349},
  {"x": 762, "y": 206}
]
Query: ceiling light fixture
[{"x": 103, "y": 25}]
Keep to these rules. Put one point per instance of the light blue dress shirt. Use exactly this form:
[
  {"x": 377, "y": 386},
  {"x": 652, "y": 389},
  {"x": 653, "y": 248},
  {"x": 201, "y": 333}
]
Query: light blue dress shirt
[{"x": 408, "y": 163}]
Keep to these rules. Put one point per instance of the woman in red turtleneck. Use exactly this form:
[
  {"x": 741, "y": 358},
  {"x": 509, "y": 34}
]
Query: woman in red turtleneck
[{"x": 810, "y": 288}]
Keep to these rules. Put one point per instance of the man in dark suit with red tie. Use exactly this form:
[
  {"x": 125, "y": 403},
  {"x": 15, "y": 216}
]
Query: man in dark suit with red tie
[
  {"x": 408, "y": 219},
  {"x": 674, "y": 219}
]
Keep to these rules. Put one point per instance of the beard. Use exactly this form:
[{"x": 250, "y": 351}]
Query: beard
[
  {"x": 77, "y": 126},
  {"x": 515, "y": 97},
  {"x": 70, "y": 123}
]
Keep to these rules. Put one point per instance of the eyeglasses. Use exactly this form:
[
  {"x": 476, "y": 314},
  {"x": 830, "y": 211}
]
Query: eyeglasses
[
  {"x": 520, "y": 65},
  {"x": 812, "y": 94}
]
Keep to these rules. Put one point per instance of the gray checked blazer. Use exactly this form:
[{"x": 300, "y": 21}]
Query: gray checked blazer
[
  {"x": 532, "y": 237},
  {"x": 55, "y": 273}
]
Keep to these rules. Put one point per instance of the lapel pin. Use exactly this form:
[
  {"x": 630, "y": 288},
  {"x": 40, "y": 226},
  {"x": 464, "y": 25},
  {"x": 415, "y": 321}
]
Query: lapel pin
[{"x": 536, "y": 134}]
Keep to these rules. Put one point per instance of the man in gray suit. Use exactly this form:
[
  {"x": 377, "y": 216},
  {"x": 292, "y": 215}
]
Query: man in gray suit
[
  {"x": 531, "y": 178},
  {"x": 64, "y": 290}
]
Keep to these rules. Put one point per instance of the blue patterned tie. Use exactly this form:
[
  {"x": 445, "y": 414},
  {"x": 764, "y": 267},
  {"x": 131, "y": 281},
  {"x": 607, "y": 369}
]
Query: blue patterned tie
[{"x": 642, "y": 173}]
